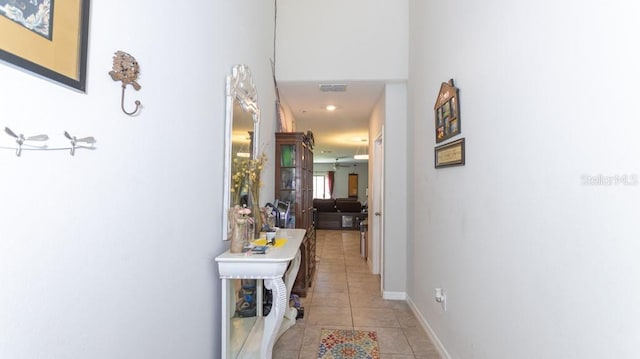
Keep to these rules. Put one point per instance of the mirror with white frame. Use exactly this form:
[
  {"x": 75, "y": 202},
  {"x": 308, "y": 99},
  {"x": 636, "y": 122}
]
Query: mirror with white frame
[
  {"x": 241, "y": 130},
  {"x": 241, "y": 142}
]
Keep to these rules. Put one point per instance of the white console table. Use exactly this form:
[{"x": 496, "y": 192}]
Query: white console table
[{"x": 254, "y": 337}]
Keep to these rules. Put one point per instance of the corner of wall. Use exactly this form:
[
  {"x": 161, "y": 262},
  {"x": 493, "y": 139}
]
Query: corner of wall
[{"x": 427, "y": 328}]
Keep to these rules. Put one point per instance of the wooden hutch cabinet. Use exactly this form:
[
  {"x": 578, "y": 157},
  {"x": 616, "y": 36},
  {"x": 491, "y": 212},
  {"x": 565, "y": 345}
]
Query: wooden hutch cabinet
[{"x": 294, "y": 184}]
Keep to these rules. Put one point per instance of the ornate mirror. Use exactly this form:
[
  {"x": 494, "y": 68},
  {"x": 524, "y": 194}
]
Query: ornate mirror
[
  {"x": 241, "y": 143},
  {"x": 241, "y": 130}
]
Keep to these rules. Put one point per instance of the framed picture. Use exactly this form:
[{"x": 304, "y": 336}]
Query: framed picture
[
  {"x": 450, "y": 154},
  {"x": 447, "y": 112},
  {"x": 47, "y": 39},
  {"x": 353, "y": 185}
]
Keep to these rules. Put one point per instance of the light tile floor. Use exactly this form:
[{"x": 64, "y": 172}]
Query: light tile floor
[{"x": 345, "y": 295}]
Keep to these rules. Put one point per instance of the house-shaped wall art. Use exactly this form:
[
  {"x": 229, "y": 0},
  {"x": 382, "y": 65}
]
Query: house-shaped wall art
[{"x": 447, "y": 112}]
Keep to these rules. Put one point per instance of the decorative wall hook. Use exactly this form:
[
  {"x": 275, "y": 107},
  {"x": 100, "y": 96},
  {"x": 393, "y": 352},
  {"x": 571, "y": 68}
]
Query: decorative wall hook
[
  {"x": 126, "y": 69},
  {"x": 74, "y": 142},
  {"x": 20, "y": 139}
]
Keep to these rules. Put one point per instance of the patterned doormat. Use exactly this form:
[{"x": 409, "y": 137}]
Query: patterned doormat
[{"x": 348, "y": 344}]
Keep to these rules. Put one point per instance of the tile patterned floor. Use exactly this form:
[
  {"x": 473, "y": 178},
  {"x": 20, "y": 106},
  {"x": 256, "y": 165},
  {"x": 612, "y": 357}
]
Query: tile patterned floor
[{"x": 344, "y": 295}]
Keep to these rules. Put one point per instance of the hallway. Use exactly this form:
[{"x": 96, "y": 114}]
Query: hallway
[{"x": 345, "y": 295}]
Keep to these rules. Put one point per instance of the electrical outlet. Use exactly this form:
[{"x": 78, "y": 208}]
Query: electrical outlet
[{"x": 441, "y": 297}]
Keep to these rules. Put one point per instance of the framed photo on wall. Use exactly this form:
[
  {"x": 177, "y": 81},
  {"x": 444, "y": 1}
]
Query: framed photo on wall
[
  {"x": 449, "y": 154},
  {"x": 447, "y": 112},
  {"x": 46, "y": 38},
  {"x": 353, "y": 185}
]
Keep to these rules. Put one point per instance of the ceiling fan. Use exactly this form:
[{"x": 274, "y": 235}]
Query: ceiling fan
[{"x": 337, "y": 164}]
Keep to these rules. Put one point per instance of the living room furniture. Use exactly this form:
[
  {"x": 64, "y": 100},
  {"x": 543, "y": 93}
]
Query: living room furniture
[
  {"x": 340, "y": 213},
  {"x": 294, "y": 184},
  {"x": 364, "y": 233},
  {"x": 254, "y": 336}
]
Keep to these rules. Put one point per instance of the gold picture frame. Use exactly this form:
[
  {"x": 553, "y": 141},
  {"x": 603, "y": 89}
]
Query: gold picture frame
[
  {"x": 353, "y": 185},
  {"x": 61, "y": 56},
  {"x": 450, "y": 154}
]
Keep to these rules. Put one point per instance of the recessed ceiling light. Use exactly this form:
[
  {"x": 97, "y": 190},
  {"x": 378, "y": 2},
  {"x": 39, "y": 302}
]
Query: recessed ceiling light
[{"x": 331, "y": 108}]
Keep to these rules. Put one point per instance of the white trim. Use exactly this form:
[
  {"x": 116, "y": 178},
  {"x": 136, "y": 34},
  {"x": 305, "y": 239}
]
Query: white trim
[
  {"x": 394, "y": 295},
  {"x": 427, "y": 328}
]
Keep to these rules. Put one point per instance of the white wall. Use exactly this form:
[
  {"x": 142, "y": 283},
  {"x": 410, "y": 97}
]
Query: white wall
[
  {"x": 390, "y": 116},
  {"x": 109, "y": 254},
  {"x": 536, "y": 263},
  {"x": 341, "y": 178},
  {"x": 342, "y": 40},
  {"x": 396, "y": 191},
  {"x": 376, "y": 128}
]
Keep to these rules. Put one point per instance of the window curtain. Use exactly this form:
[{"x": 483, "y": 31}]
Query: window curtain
[{"x": 330, "y": 175}]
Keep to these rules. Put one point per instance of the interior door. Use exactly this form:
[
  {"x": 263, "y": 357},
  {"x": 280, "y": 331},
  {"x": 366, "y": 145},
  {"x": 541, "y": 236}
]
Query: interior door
[{"x": 377, "y": 229}]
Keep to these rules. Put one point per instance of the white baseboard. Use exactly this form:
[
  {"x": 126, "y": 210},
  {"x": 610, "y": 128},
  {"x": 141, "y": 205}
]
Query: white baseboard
[
  {"x": 394, "y": 295},
  {"x": 425, "y": 325}
]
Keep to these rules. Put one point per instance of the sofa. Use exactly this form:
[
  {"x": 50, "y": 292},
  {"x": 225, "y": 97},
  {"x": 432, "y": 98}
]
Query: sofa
[{"x": 339, "y": 213}]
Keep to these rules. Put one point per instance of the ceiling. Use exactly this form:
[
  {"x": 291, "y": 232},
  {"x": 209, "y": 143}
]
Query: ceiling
[{"x": 338, "y": 134}]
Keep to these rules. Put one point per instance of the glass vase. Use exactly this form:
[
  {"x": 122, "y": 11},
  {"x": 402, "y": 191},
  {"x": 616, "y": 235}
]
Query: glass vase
[
  {"x": 248, "y": 233},
  {"x": 254, "y": 201}
]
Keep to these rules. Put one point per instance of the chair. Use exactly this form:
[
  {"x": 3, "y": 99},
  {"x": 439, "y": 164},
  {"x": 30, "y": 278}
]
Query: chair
[
  {"x": 283, "y": 208},
  {"x": 276, "y": 214}
]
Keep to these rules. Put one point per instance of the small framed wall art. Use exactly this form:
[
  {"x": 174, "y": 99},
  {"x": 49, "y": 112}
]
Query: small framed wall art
[
  {"x": 450, "y": 154},
  {"x": 447, "y": 112},
  {"x": 50, "y": 41}
]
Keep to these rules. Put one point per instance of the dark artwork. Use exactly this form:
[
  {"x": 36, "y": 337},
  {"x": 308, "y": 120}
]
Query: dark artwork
[
  {"x": 35, "y": 15},
  {"x": 447, "y": 116}
]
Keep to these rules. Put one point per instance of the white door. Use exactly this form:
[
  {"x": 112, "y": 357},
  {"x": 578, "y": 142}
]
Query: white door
[{"x": 376, "y": 211}]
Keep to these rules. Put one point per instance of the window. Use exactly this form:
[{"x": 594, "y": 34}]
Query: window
[{"x": 319, "y": 186}]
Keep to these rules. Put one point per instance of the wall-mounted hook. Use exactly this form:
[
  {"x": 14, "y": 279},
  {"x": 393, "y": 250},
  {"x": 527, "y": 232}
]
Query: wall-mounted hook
[
  {"x": 74, "y": 141},
  {"x": 124, "y": 87},
  {"x": 20, "y": 139},
  {"x": 126, "y": 69}
]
